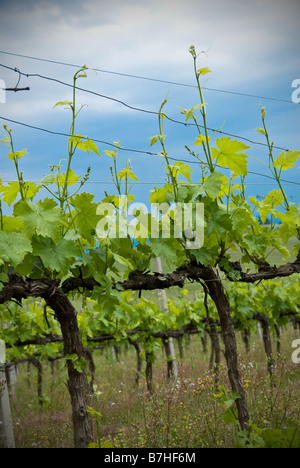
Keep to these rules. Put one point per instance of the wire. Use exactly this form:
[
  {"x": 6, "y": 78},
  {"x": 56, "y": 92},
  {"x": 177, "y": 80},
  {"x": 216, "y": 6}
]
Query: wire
[
  {"x": 109, "y": 182},
  {"x": 139, "y": 109},
  {"x": 134, "y": 150},
  {"x": 148, "y": 78}
]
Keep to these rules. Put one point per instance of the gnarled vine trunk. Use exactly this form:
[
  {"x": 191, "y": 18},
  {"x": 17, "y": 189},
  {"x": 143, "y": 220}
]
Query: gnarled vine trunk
[
  {"x": 19, "y": 288},
  {"x": 77, "y": 383},
  {"x": 218, "y": 295}
]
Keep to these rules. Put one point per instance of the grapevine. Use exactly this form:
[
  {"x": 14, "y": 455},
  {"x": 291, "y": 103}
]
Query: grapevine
[{"x": 64, "y": 287}]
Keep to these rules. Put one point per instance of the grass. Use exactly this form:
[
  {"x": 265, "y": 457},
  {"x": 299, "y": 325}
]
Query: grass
[{"x": 183, "y": 414}]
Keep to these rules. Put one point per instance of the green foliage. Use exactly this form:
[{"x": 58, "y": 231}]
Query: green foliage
[
  {"x": 56, "y": 237},
  {"x": 13, "y": 247},
  {"x": 43, "y": 218},
  {"x": 228, "y": 154},
  {"x": 269, "y": 438}
]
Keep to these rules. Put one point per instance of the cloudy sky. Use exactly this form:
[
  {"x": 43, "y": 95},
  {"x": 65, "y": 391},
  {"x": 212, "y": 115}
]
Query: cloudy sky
[{"x": 252, "y": 49}]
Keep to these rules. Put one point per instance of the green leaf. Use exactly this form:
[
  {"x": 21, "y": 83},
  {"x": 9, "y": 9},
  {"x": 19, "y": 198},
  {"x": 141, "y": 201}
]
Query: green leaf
[
  {"x": 213, "y": 183},
  {"x": 92, "y": 146},
  {"x": 55, "y": 256},
  {"x": 184, "y": 170},
  {"x": 230, "y": 416},
  {"x": 204, "y": 71},
  {"x": 122, "y": 260},
  {"x": 204, "y": 256},
  {"x": 10, "y": 192},
  {"x": 156, "y": 138},
  {"x": 169, "y": 248},
  {"x": 110, "y": 153},
  {"x": 218, "y": 220},
  {"x": 200, "y": 140},
  {"x": 86, "y": 218},
  {"x": 256, "y": 244},
  {"x": 190, "y": 113},
  {"x": 12, "y": 224},
  {"x": 15, "y": 246},
  {"x": 5, "y": 140},
  {"x": 126, "y": 173},
  {"x": 242, "y": 218},
  {"x": 16, "y": 154},
  {"x": 159, "y": 195},
  {"x": 30, "y": 189},
  {"x": 3, "y": 278},
  {"x": 286, "y": 160},
  {"x": 274, "y": 198},
  {"x": 72, "y": 178},
  {"x": 79, "y": 363},
  {"x": 187, "y": 192},
  {"x": 88, "y": 145},
  {"x": 229, "y": 155},
  {"x": 63, "y": 103},
  {"x": 46, "y": 180},
  {"x": 42, "y": 218}
]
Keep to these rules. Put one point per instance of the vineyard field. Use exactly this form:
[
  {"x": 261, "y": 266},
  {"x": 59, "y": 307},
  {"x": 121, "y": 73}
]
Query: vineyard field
[
  {"x": 186, "y": 414},
  {"x": 176, "y": 328}
]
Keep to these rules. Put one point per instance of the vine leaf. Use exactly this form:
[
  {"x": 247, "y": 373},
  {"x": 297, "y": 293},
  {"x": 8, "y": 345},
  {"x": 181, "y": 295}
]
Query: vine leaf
[
  {"x": 286, "y": 160},
  {"x": 42, "y": 218},
  {"x": 229, "y": 155},
  {"x": 56, "y": 256},
  {"x": 86, "y": 218},
  {"x": 15, "y": 246},
  {"x": 10, "y": 192}
]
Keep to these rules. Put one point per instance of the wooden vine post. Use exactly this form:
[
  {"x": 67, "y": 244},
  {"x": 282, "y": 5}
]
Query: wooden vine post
[
  {"x": 169, "y": 344},
  {"x": 6, "y": 428}
]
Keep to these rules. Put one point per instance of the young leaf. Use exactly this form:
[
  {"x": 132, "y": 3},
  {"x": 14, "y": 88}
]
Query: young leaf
[
  {"x": 126, "y": 173},
  {"x": 200, "y": 140},
  {"x": 184, "y": 170},
  {"x": 72, "y": 178},
  {"x": 154, "y": 139},
  {"x": 110, "y": 153},
  {"x": 91, "y": 145},
  {"x": 190, "y": 113},
  {"x": 30, "y": 189},
  {"x": 159, "y": 195},
  {"x": 286, "y": 160},
  {"x": 10, "y": 192},
  {"x": 204, "y": 71},
  {"x": 86, "y": 218},
  {"x": 16, "y": 154},
  {"x": 229, "y": 155},
  {"x": 63, "y": 103}
]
